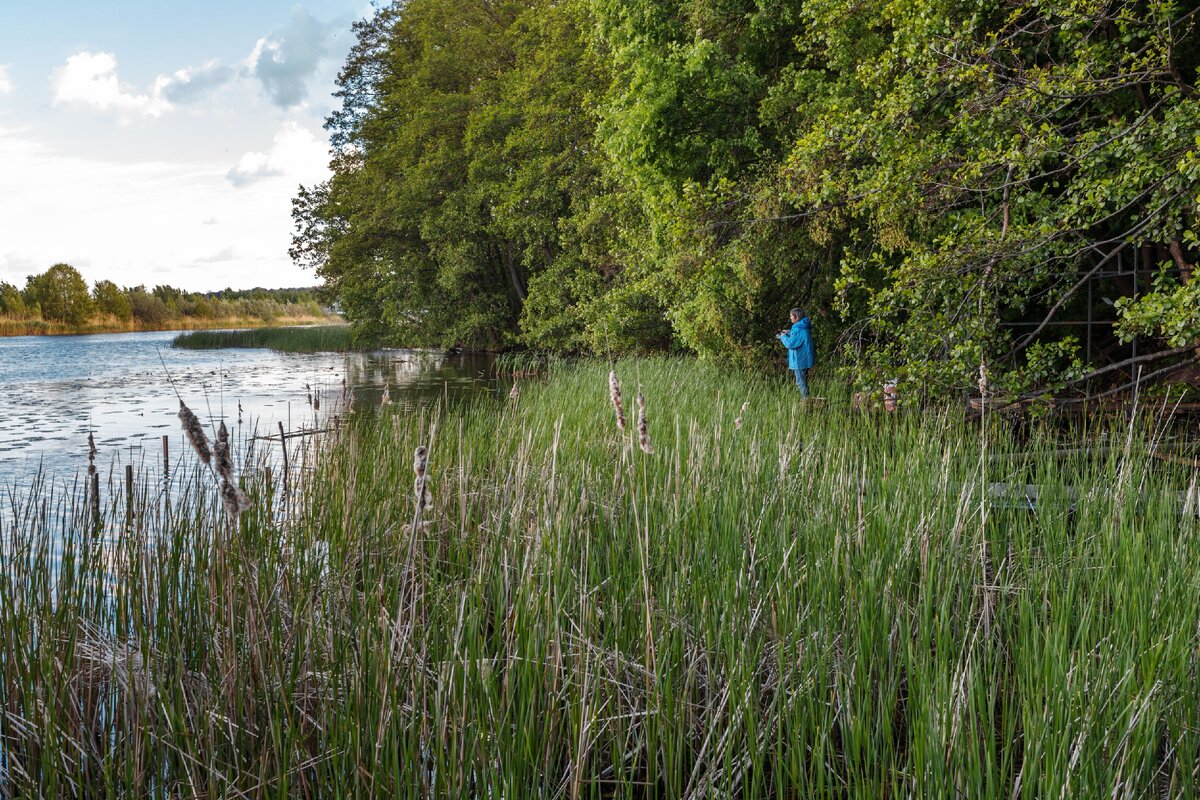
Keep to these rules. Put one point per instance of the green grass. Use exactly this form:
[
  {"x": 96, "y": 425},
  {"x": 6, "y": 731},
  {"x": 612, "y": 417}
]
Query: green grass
[
  {"x": 815, "y": 603},
  {"x": 312, "y": 339}
]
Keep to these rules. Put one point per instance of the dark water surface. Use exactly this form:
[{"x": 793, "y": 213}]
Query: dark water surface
[{"x": 55, "y": 389}]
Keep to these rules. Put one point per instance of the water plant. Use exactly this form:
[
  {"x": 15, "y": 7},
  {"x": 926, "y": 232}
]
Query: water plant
[
  {"x": 811, "y": 603},
  {"x": 300, "y": 339}
]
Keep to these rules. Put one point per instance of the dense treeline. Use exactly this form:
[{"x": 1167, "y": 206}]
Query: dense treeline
[
  {"x": 59, "y": 299},
  {"x": 948, "y": 186}
]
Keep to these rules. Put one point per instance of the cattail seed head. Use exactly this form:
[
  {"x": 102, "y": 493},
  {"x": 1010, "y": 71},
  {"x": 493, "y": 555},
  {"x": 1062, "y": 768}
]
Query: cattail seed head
[
  {"x": 221, "y": 453},
  {"x": 91, "y": 454},
  {"x": 234, "y": 500},
  {"x": 642, "y": 424},
  {"x": 224, "y": 462},
  {"x": 737, "y": 423},
  {"x": 195, "y": 433},
  {"x": 515, "y": 392},
  {"x": 614, "y": 390},
  {"x": 387, "y": 396},
  {"x": 421, "y": 483}
]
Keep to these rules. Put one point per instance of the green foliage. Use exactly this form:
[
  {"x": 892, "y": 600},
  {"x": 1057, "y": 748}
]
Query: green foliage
[
  {"x": 308, "y": 339},
  {"x": 470, "y": 204},
  {"x": 148, "y": 309},
  {"x": 60, "y": 294},
  {"x": 12, "y": 302},
  {"x": 111, "y": 299},
  {"x": 1170, "y": 311},
  {"x": 619, "y": 175}
]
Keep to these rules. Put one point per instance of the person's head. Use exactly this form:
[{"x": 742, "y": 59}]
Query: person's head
[{"x": 796, "y": 314}]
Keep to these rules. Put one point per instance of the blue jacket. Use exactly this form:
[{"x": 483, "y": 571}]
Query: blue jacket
[{"x": 798, "y": 341}]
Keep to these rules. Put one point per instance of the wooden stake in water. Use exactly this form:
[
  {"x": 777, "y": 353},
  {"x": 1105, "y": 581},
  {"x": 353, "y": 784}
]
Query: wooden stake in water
[
  {"x": 129, "y": 493},
  {"x": 283, "y": 445}
]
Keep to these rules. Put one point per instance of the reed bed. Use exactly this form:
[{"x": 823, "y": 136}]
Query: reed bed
[
  {"x": 514, "y": 598},
  {"x": 307, "y": 339}
]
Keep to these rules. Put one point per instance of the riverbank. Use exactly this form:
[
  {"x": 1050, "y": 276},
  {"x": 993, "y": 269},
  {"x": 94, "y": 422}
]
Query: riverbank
[
  {"x": 37, "y": 327},
  {"x": 745, "y": 595}
]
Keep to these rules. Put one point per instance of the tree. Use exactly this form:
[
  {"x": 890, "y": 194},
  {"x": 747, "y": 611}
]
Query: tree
[
  {"x": 980, "y": 163},
  {"x": 111, "y": 299},
  {"x": 148, "y": 309},
  {"x": 462, "y": 183},
  {"x": 12, "y": 304},
  {"x": 61, "y": 294},
  {"x": 611, "y": 175}
]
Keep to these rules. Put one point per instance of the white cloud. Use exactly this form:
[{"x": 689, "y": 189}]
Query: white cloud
[
  {"x": 284, "y": 60},
  {"x": 295, "y": 153},
  {"x": 190, "y": 83},
  {"x": 150, "y": 222},
  {"x": 89, "y": 80},
  {"x": 6, "y": 85}
]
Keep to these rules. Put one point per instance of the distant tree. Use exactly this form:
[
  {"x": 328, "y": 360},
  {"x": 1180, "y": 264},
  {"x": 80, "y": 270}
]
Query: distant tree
[
  {"x": 111, "y": 299},
  {"x": 61, "y": 294},
  {"x": 12, "y": 304},
  {"x": 148, "y": 309}
]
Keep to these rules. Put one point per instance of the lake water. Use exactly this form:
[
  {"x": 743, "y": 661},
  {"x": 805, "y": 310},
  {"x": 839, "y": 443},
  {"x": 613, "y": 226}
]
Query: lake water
[{"x": 54, "y": 390}]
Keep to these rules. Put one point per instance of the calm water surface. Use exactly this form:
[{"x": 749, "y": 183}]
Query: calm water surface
[{"x": 55, "y": 389}]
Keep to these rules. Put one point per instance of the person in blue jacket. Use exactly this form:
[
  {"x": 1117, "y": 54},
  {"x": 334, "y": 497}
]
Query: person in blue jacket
[{"x": 798, "y": 341}]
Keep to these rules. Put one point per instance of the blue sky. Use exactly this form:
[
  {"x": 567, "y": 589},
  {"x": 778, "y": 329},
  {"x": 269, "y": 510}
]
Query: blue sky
[{"x": 162, "y": 142}]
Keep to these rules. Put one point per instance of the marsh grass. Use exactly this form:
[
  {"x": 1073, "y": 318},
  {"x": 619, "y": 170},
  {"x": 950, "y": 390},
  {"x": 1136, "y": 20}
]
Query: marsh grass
[
  {"x": 309, "y": 339},
  {"x": 813, "y": 603}
]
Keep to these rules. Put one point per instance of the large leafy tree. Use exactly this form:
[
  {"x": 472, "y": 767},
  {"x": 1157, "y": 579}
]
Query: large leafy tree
[
  {"x": 982, "y": 162},
  {"x": 61, "y": 294},
  {"x": 951, "y": 178},
  {"x": 464, "y": 168},
  {"x": 698, "y": 113},
  {"x": 112, "y": 299}
]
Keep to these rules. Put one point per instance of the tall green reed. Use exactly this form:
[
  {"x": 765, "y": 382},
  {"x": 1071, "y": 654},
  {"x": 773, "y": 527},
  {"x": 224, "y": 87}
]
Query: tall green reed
[{"x": 781, "y": 599}]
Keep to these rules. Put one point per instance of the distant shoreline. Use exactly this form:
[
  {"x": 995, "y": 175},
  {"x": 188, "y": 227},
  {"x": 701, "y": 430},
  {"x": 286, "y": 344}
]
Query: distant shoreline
[{"x": 13, "y": 328}]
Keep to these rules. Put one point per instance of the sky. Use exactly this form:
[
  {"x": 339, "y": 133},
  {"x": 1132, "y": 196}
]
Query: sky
[{"x": 161, "y": 142}]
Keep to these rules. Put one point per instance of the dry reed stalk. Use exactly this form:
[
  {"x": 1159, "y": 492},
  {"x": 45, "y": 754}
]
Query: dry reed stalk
[
  {"x": 386, "y": 400},
  {"x": 195, "y": 433},
  {"x": 737, "y": 423},
  {"x": 421, "y": 483},
  {"x": 643, "y": 424},
  {"x": 614, "y": 390},
  {"x": 515, "y": 392},
  {"x": 91, "y": 454}
]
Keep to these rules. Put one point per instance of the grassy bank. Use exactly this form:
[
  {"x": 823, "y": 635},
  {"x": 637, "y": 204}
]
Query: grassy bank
[
  {"x": 780, "y": 600},
  {"x": 314, "y": 339},
  {"x": 39, "y": 327}
]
